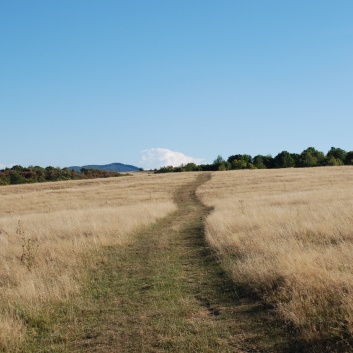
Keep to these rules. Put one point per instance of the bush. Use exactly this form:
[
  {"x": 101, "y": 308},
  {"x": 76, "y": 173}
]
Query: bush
[{"x": 16, "y": 177}]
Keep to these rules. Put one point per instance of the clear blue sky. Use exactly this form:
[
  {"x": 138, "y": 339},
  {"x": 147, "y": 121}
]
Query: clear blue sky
[{"x": 100, "y": 81}]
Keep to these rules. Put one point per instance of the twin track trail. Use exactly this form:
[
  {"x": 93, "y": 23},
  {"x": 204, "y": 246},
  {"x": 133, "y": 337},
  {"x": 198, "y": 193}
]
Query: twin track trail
[{"x": 167, "y": 293}]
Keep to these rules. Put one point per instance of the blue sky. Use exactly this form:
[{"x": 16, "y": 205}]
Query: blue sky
[{"x": 150, "y": 82}]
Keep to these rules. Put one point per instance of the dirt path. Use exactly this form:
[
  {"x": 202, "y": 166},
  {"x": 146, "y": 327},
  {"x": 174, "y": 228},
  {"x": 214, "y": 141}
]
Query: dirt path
[{"x": 167, "y": 293}]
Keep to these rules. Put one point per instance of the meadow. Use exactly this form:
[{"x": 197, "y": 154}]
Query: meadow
[
  {"x": 286, "y": 236},
  {"x": 48, "y": 232}
]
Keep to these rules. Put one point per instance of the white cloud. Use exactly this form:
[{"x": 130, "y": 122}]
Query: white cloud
[{"x": 160, "y": 157}]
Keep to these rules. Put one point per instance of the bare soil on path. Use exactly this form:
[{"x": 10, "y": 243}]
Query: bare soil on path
[{"x": 167, "y": 292}]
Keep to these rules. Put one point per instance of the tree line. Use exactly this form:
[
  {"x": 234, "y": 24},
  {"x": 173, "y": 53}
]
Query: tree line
[
  {"x": 20, "y": 175},
  {"x": 310, "y": 157}
]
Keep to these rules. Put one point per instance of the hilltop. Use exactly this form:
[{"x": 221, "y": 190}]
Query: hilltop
[{"x": 113, "y": 167}]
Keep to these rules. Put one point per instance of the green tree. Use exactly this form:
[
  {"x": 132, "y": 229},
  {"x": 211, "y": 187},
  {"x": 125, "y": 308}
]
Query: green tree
[
  {"x": 337, "y": 153},
  {"x": 258, "y": 162},
  {"x": 190, "y": 167},
  {"x": 16, "y": 177},
  {"x": 208, "y": 167},
  {"x": 4, "y": 178},
  {"x": 268, "y": 161},
  {"x": 240, "y": 157},
  {"x": 332, "y": 161},
  {"x": 349, "y": 158},
  {"x": 311, "y": 158},
  {"x": 284, "y": 160},
  {"x": 17, "y": 168},
  {"x": 219, "y": 163},
  {"x": 167, "y": 169},
  {"x": 239, "y": 164},
  {"x": 222, "y": 166},
  {"x": 307, "y": 160},
  {"x": 218, "y": 160}
]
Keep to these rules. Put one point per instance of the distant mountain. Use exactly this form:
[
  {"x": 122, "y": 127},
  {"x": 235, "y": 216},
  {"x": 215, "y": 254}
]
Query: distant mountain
[{"x": 113, "y": 167}]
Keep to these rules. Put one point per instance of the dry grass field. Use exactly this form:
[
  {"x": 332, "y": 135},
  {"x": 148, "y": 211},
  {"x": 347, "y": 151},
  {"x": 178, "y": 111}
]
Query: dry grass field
[
  {"x": 284, "y": 235},
  {"x": 287, "y": 236},
  {"x": 47, "y": 230}
]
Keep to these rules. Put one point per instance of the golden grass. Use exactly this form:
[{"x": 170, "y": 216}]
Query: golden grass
[
  {"x": 47, "y": 229},
  {"x": 288, "y": 236}
]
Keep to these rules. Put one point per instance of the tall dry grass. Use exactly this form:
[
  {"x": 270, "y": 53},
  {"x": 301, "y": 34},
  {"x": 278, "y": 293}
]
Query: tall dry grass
[
  {"x": 287, "y": 235},
  {"x": 46, "y": 231}
]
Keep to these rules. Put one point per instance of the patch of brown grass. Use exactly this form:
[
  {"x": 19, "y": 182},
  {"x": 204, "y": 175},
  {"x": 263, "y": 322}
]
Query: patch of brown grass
[
  {"x": 288, "y": 236},
  {"x": 46, "y": 230}
]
